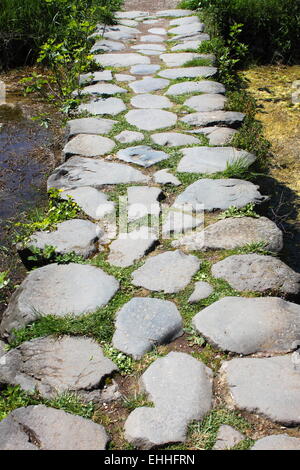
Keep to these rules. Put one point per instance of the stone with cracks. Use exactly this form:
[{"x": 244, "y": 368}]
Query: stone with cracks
[
  {"x": 148, "y": 101},
  {"x": 180, "y": 387},
  {"x": 227, "y": 438},
  {"x": 277, "y": 442},
  {"x": 52, "y": 366},
  {"x": 143, "y": 200},
  {"x": 89, "y": 126},
  {"x": 206, "y": 102},
  {"x": 142, "y": 155},
  {"x": 255, "y": 272},
  {"x": 250, "y": 325},
  {"x": 174, "y": 13},
  {"x": 92, "y": 77},
  {"x": 58, "y": 290},
  {"x": 205, "y": 86},
  {"x": 102, "y": 89},
  {"x": 164, "y": 177},
  {"x": 101, "y": 106},
  {"x": 169, "y": 272},
  {"x": 188, "y": 72},
  {"x": 221, "y": 136},
  {"x": 127, "y": 137},
  {"x": 76, "y": 235},
  {"x": 88, "y": 145},
  {"x": 144, "y": 69},
  {"x": 144, "y": 323},
  {"x": 178, "y": 59},
  {"x": 202, "y": 291},
  {"x": 174, "y": 139},
  {"x": 130, "y": 247},
  {"x": 105, "y": 45},
  {"x": 41, "y": 428},
  {"x": 266, "y": 386},
  {"x": 151, "y": 119},
  {"x": 189, "y": 28},
  {"x": 121, "y": 60},
  {"x": 214, "y": 118},
  {"x": 220, "y": 194},
  {"x": 80, "y": 171},
  {"x": 91, "y": 201},
  {"x": 149, "y": 84},
  {"x": 212, "y": 159}
]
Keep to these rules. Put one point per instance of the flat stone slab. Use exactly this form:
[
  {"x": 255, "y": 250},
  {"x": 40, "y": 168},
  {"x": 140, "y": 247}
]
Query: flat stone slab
[
  {"x": 130, "y": 23},
  {"x": 142, "y": 155},
  {"x": 150, "y": 52},
  {"x": 116, "y": 35},
  {"x": 221, "y": 136},
  {"x": 180, "y": 387},
  {"x": 168, "y": 272},
  {"x": 104, "y": 28},
  {"x": 58, "y": 290},
  {"x": 76, "y": 235},
  {"x": 52, "y": 366},
  {"x": 212, "y": 159},
  {"x": 144, "y": 323},
  {"x": 196, "y": 36},
  {"x": 151, "y": 119},
  {"x": 123, "y": 77},
  {"x": 206, "y": 102},
  {"x": 144, "y": 69},
  {"x": 148, "y": 101},
  {"x": 257, "y": 273},
  {"x": 250, "y": 325},
  {"x": 92, "y": 77},
  {"x": 174, "y": 13},
  {"x": 205, "y": 86},
  {"x": 215, "y": 118},
  {"x": 91, "y": 201},
  {"x": 41, "y": 428},
  {"x": 80, "y": 171},
  {"x": 149, "y": 46},
  {"x": 188, "y": 72},
  {"x": 173, "y": 139},
  {"x": 221, "y": 194},
  {"x": 181, "y": 218},
  {"x": 150, "y": 38},
  {"x": 160, "y": 31},
  {"x": 266, "y": 386},
  {"x": 130, "y": 247},
  {"x": 202, "y": 291},
  {"x": 187, "y": 46},
  {"x": 105, "y": 45},
  {"x": 147, "y": 85},
  {"x": 143, "y": 200},
  {"x": 178, "y": 59},
  {"x": 277, "y": 442},
  {"x": 121, "y": 60},
  {"x": 227, "y": 438},
  {"x": 189, "y": 28},
  {"x": 102, "y": 89},
  {"x": 132, "y": 15},
  {"x": 185, "y": 20},
  {"x": 164, "y": 177},
  {"x": 89, "y": 126},
  {"x": 2, "y": 348},
  {"x": 127, "y": 137},
  {"x": 101, "y": 106},
  {"x": 88, "y": 145}
]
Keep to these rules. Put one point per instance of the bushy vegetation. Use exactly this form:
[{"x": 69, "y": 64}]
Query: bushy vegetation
[
  {"x": 271, "y": 28},
  {"x": 26, "y": 25}
]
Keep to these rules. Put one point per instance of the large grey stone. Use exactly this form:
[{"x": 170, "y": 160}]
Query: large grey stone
[
  {"x": 76, "y": 235},
  {"x": 150, "y": 52},
  {"x": 128, "y": 22},
  {"x": 181, "y": 389},
  {"x": 205, "y": 86},
  {"x": 92, "y": 77},
  {"x": 250, "y": 325},
  {"x": 143, "y": 323},
  {"x": 134, "y": 14},
  {"x": 174, "y": 139},
  {"x": 101, "y": 106},
  {"x": 178, "y": 59},
  {"x": 115, "y": 36},
  {"x": 187, "y": 46},
  {"x": 221, "y": 136},
  {"x": 212, "y": 159},
  {"x": 227, "y": 438},
  {"x": 121, "y": 60},
  {"x": 164, "y": 177},
  {"x": 151, "y": 38},
  {"x": 221, "y": 194},
  {"x": 214, "y": 118},
  {"x": 149, "y": 46},
  {"x": 52, "y": 366},
  {"x": 104, "y": 28},
  {"x": 91, "y": 201},
  {"x": 174, "y": 13},
  {"x": 105, "y": 45},
  {"x": 267, "y": 386},
  {"x": 123, "y": 77},
  {"x": 257, "y": 273},
  {"x": 2, "y": 348},
  {"x": 235, "y": 232},
  {"x": 161, "y": 31},
  {"x": 148, "y": 101},
  {"x": 196, "y": 36},
  {"x": 80, "y": 171},
  {"x": 151, "y": 119},
  {"x": 142, "y": 155},
  {"x": 185, "y": 20},
  {"x": 88, "y": 145},
  {"x": 89, "y": 126},
  {"x": 143, "y": 200},
  {"x": 41, "y": 428},
  {"x": 187, "y": 28},
  {"x": 168, "y": 272},
  {"x": 102, "y": 89},
  {"x": 277, "y": 442},
  {"x": 130, "y": 247},
  {"x": 149, "y": 84},
  {"x": 206, "y": 102},
  {"x": 202, "y": 291},
  {"x": 58, "y": 290},
  {"x": 127, "y": 137},
  {"x": 144, "y": 69},
  {"x": 188, "y": 72}
]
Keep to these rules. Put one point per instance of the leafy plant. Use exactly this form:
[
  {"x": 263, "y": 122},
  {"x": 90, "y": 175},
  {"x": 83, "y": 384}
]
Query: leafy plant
[
  {"x": 4, "y": 279},
  {"x": 246, "y": 211},
  {"x": 124, "y": 363},
  {"x": 136, "y": 401},
  {"x": 48, "y": 254}
]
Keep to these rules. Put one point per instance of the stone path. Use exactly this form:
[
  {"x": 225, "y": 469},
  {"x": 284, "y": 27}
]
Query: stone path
[{"x": 159, "y": 128}]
